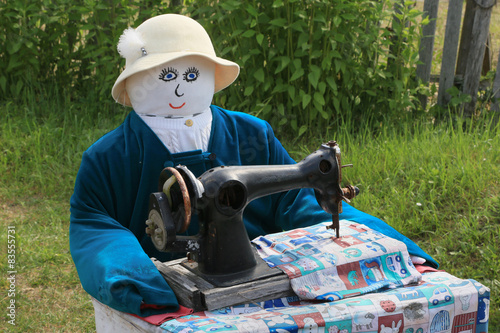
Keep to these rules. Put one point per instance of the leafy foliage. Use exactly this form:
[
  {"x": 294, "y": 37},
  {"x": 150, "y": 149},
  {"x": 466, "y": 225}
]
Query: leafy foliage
[
  {"x": 65, "y": 42},
  {"x": 313, "y": 64},
  {"x": 305, "y": 64}
]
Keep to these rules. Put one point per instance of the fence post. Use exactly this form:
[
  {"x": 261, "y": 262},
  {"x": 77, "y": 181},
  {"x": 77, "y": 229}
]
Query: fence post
[
  {"x": 496, "y": 88},
  {"x": 465, "y": 38},
  {"x": 450, "y": 50},
  {"x": 427, "y": 45},
  {"x": 475, "y": 57}
]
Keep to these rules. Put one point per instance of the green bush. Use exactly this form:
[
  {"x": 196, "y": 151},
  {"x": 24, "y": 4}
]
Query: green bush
[
  {"x": 316, "y": 63},
  {"x": 309, "y": 64},
  {"x": 65, "y": 42}
]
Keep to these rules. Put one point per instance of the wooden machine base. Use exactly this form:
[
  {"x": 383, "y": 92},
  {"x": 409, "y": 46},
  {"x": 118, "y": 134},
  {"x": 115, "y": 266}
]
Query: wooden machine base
[{"x": 194, "y": 292}]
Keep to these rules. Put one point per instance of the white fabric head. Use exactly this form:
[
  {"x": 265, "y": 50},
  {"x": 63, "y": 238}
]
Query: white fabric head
[{"x": 181, "y": 87}]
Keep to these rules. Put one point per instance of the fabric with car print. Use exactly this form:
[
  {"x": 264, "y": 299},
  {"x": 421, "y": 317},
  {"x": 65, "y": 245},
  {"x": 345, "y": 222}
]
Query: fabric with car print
[
  {"x": 326, "y": 268},
  {"x": 441, "y": 302}
]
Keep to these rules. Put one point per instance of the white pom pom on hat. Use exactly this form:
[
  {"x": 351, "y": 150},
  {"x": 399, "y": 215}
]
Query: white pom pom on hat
[
  {"x": 131, "y": 44},
  {"x": 164, "y": 38}
]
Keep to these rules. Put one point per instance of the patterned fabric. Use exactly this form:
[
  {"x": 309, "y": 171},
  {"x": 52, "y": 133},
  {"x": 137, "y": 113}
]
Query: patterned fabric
[
  {"x": 323, "y": 267},
  {"x": 440, "y": 303}
]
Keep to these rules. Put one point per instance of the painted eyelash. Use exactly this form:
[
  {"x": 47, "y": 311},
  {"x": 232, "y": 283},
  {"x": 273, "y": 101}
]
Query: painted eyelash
[
  {"x": 165, "y": 71},
  {"x": 191, "y": 70}
]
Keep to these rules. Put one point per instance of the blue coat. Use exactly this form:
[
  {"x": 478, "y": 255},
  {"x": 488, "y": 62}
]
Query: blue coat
[{"x": 109, "y": 206}]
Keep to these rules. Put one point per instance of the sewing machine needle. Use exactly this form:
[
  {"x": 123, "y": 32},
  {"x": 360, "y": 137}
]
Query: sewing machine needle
[{"x": 335, "y": 224}]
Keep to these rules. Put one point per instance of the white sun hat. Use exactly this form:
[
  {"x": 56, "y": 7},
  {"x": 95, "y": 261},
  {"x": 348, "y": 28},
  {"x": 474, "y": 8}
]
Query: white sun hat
[{"x": 164, "y": 38}]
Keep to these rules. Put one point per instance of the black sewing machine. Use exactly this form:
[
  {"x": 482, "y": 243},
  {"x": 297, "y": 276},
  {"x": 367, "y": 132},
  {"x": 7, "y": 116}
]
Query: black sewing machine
[{"x": 221, "y": 252}]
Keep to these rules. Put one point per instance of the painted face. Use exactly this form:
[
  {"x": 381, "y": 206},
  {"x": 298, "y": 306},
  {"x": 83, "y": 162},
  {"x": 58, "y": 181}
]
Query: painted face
[{"x": 181, "y": 87}]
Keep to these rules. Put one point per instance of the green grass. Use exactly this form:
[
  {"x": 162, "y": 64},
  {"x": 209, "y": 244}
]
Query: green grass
[
  {"x": 42, "y": 140},
  {"x": 436, "y": 183}
]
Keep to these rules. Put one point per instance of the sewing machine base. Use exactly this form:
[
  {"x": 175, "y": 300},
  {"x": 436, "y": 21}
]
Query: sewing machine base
[
  {"x": 260, "y": 271},
  {"x": 195, "y": 292}
]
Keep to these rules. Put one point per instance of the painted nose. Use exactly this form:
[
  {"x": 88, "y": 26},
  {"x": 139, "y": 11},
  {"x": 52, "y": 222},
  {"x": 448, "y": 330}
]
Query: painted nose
[{"x": 177, "y": 92}]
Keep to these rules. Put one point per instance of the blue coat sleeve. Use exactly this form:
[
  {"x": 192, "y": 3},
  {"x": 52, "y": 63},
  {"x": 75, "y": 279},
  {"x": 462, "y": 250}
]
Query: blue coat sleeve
[{"x": 111, "y": 264}]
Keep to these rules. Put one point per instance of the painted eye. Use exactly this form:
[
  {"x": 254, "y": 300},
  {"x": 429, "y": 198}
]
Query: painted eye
[
  {"x": 191, "y": 74},
  {"x": 168, "y": 74}
]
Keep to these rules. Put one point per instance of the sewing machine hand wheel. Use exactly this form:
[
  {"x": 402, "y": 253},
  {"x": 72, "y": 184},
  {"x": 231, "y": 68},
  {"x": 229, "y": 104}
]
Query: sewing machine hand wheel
[
  {"x": 169, "y": 210},
  {"x": 160, "y": 224}
]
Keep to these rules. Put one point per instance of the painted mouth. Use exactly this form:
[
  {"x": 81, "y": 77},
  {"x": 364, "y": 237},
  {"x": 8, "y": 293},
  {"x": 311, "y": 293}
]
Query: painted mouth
[{"x": 177, "y": 107}]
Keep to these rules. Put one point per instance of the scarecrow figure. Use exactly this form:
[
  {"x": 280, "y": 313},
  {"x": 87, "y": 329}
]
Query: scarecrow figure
[{"x": 171, "y": 74}]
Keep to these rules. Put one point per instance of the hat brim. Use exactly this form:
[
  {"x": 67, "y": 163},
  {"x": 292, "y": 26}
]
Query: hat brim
[{"x": 225, "y": 71}]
